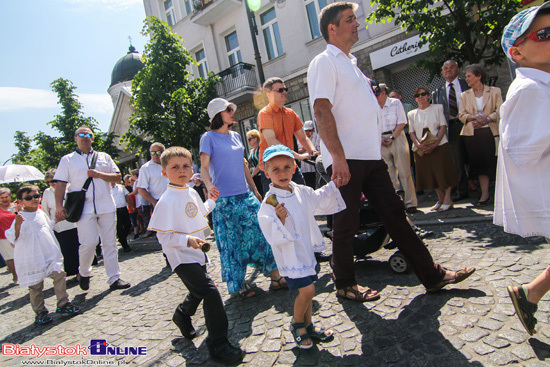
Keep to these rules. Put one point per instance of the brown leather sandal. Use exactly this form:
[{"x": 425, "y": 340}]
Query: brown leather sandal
[{"x": 358, "y": 296}]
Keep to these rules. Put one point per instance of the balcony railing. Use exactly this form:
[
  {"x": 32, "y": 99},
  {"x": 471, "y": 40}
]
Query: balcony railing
[
  {"x": 208, "y": 12},
  {"x": 238, "y": 78}
]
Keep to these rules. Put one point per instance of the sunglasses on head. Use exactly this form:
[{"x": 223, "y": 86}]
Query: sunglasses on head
[
  {"x": 423, "y": 94},
  {"x": 30, "y": 197},
  {"x": 281, "y": 90},
  {"x": 88, "y": 135},
  {"x": 158, "y": 152},
  {"x": 540, "y": 35}
]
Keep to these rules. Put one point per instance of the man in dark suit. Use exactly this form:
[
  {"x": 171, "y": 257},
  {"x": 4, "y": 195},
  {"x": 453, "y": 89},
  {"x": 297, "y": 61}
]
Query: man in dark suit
[{"x": 448, "y": 95}]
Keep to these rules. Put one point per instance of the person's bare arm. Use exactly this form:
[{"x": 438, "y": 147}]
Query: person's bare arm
[
  {"x": 205, "y": 173},
  {"x": 60, "y": 212},
  {"x": 326, "y": 124},
  {"x": 147, "y": 196}
]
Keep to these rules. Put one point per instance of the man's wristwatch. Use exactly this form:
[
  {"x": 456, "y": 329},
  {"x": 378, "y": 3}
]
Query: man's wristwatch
[{"x": 391, "y": 137}]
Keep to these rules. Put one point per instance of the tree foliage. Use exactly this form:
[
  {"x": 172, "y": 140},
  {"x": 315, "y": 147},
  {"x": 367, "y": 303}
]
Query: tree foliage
[
  {"x": 48, "y": 150},
  {"x": 170, "y": 105},
  {"x": 467, "y": 31}
]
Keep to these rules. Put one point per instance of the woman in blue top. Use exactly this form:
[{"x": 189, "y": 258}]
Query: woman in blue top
[{"x": 238, "y": 234}]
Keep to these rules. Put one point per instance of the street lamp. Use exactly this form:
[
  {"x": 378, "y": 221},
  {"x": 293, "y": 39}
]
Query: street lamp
[{"x": 253, "y": 5}]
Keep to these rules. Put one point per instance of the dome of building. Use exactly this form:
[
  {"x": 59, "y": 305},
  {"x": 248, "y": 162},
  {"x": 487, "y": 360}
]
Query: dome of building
[{"x": 127, "y": 67}]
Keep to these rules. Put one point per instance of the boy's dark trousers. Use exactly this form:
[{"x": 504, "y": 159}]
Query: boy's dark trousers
[
  {"x": 201, "y": 287},
  {"x": 123, "y": 226}
]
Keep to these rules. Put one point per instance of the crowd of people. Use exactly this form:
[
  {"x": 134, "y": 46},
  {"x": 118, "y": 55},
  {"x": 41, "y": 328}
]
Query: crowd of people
[{"x": 262, "y": 205}]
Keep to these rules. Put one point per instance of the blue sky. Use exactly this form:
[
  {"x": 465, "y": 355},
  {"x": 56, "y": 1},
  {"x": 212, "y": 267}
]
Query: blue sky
[{"x": 79, "y": 40}]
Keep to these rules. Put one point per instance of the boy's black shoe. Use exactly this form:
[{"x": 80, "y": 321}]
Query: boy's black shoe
[
  {"x": 183, "y": 322},
  {"x": 119, "y": 284},
  {"x": 226, "y": 353},
  {"x": 84, "y": 282}
]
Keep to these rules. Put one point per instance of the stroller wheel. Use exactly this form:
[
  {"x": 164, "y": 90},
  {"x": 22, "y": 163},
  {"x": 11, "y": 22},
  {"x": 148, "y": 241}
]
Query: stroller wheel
[{"x": 398, "y": 263}]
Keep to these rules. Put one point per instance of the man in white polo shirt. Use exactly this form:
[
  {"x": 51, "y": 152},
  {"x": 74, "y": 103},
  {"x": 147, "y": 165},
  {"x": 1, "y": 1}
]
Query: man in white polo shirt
[
  {"x": 395, "y": 147},
  {"x": 98, "y": 218},
  {"x": 348, "y": 116},
  {"x": 151, "y": 183}
]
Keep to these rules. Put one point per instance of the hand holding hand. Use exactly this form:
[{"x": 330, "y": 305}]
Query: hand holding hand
[
  {"x": 60, "y": 214},
  {"x": 340, "y": 172},
  {"x": 195, "y": 242},
  {"x": 214, "y": 195}
]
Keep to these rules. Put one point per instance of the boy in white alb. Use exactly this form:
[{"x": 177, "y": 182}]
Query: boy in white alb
[
  {"x": 291, "y": 230},
  {"x": 180, "y": 220},
  {"x": 522, "y": 204}
]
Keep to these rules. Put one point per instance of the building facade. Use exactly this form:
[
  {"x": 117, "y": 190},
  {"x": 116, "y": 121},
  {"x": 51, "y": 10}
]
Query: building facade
[{"x": 218, "y": 35}]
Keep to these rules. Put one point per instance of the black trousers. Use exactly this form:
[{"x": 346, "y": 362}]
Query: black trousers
[
  {"x": 372, "y": 179},
  {"x": 201, "y": 287},
  {"x": 123, "y": 226},
  {"x": 68, "y": 243}
]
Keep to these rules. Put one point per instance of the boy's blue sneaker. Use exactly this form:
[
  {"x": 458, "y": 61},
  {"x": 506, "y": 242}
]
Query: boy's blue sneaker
[
  {"x": 68, "y": 310},
  {"x": 42, "y": 319}
]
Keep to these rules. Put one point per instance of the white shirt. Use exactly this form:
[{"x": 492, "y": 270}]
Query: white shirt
[
  {"x": 36, "y": 254},
  {"x": 119, "y": 194},
  {"x": 180, "y": 213},
  {"x": 522, "y": 203},
  {"x": 151, "y": 179},
  {"x": 48, "y": 206},
  {"x": 393, "y": 114},
  {"x": 431, "y": 118},
  {"x": 294, "y": 242},
  {"x": 139, "y": 199},
  {"x": 73, "y": 169},
  {"x": 316, "y": 141},
  {"x": 335, "y": 76},
  {"x": 458, "y": 91}
]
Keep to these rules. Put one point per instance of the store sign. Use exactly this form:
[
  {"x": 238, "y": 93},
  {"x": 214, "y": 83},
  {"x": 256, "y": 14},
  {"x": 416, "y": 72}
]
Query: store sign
[{"x": 397, "y": 52}]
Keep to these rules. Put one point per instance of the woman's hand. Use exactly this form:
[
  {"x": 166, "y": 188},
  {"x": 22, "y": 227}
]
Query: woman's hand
[
  {"x": 212, "y": 190},
  {"x": 213, "y": 195}
]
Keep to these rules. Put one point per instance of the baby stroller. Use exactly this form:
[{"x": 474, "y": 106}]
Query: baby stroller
[{"x": 371, "y": 236}]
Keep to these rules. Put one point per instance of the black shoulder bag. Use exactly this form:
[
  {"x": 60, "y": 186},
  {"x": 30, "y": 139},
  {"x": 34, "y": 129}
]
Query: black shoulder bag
[{"x": 74, "y": 202}]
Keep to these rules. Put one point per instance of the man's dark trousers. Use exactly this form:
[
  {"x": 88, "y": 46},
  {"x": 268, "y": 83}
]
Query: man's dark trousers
[
  {"x": 458, "y": 154},
  {"x": 372, "y": 178},
  {"x": 123, "y": 226},
  {"x": 201, "y": 287}
]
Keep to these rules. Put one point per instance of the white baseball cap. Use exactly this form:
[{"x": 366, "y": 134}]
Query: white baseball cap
[
  {"x": 218, "y": 105},
  {"x": 308, "y": 125}
]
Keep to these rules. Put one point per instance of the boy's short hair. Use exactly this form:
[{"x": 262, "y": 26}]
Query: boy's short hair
[
  {"x": 25, "y": 189},
  {"x": 332, "y": 13},
  {"x": 134, "y": 172},
  {"x": 174, "y": 152}
]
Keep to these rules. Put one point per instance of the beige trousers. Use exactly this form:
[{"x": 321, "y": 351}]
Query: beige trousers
[
  {"x": 397, "y": 158},
  {"x": 59, "y": 287}
]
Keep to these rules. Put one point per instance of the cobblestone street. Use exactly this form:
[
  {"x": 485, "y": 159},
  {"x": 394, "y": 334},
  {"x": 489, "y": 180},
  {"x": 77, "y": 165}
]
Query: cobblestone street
[{"x": 472, "y": 323}]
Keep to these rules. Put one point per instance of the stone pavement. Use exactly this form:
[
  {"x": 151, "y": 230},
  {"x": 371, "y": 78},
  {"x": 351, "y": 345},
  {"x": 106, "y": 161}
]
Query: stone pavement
[{"x": 472, "y": 323}]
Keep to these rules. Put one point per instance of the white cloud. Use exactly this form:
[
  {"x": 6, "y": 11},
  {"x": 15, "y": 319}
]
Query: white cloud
[
  {"x": 106, "y": 4},
  {"x": 12, "y": 99}
]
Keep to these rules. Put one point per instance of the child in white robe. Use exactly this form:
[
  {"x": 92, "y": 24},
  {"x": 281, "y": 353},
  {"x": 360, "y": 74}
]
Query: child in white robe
[
  {"x": 522, "y": 204},
  {"x": 291, "y": 230},
  {"x": 180, "y": 219},
  {"x": 37, "y": 255}
]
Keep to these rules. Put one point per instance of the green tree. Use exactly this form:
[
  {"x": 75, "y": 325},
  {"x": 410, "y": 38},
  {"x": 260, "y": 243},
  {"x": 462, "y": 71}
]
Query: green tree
[
  {"x": 170, "y": 105},
  {"x": 48, "y": 150},
  {"x": 467, "y": 31}
]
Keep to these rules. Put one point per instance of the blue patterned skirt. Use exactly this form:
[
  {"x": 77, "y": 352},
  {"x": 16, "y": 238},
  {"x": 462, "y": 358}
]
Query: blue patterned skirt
[{"x": 240, "y": 239}]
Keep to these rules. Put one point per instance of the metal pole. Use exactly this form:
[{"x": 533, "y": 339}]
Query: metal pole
[{"x": 253, "y": 33}]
